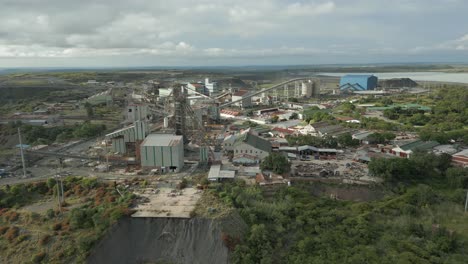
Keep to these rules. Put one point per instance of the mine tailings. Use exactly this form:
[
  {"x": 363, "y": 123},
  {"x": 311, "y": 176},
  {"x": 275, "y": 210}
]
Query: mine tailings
[{"x": 161, "y": 240}]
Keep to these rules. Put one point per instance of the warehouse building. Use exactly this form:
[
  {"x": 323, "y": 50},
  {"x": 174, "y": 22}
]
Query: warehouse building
[
  {"x": 162, "y": 151},
  {"x": 358, "y": 82},
  {"x": 124, "y": 140},
  {"x": 243, "y": 98},
  {"x": 255, "y": 146}
]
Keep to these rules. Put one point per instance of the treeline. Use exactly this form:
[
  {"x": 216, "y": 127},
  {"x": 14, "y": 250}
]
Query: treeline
[
  {"x": 47, "y": 135},
  {"x": 295, "y": 227},
  {"x": 420, "y": 167}
]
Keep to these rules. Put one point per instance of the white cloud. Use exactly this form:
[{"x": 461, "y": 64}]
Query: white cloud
[
  {"x": 226, "y": 28},
  {"x": 300, "y": 9}
]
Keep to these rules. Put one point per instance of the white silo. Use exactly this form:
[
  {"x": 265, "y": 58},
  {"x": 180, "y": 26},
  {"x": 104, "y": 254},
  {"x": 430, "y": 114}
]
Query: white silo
[
  {"x": 166, "y": 122},
  {"x": 306, "y": 90}
]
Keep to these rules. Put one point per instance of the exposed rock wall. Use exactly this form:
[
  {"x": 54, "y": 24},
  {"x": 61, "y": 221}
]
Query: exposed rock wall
[{"x": 161, "y": 240}]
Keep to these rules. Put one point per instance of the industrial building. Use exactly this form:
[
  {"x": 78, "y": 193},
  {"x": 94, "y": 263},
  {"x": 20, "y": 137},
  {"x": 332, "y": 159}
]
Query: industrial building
[
  {"x": 306, "y": 89},
  {"x": 255, "y": 146},
  {"x": 309, "y": 89},
  {"x": 212, "y": 87},
  {"x": 406, "y": 149},
  {"x": 101, "y": 98},
  {"x": 124, "y": 140},
  {"x": 162, "y": 151},
  {"x": 358, "y": 82},
  {"x": 219, "y": 175},
  {"x": 243, "y": 98},
  {"x": 136, "y": 112}
]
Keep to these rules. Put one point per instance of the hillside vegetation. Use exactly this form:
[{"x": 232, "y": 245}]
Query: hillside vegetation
[
  {"x": 420, "y": 221},
  {"x": 32, "y": 230}
]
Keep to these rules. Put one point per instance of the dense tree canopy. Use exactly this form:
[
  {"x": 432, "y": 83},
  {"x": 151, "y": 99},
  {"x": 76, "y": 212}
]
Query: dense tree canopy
[
  {"x": 295, "y": 227},
  {"x": 47, "y": 135},
  {"x": 276, "y": 163}
]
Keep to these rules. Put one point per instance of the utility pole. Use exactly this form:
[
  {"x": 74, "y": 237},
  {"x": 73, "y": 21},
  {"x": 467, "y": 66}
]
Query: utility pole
[
  {"x": 58, "y": 194},
  {"x": 466, "y": 201},
  {"x": 60, "y": 177},
  {"x": 22, "y": 153},
  {"x": 107, "y": 158},
  {"x": 61, "y": 186}
]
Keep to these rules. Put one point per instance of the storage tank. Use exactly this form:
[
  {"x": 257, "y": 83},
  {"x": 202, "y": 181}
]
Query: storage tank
[{"x": 306, "y": 89}]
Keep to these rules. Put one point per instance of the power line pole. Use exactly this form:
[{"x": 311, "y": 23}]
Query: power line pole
[
  {"x": 22, "y": 153},
  {"x": 58, "y": 194},
  {"x": 61, "y": 186},
  {"x": 466, "y": 201},
  {"x": 60, "y": 177}
]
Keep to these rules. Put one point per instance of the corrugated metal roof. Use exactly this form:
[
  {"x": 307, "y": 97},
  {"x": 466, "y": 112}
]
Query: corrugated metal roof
[
  {"x": 462, "y": 153},
  {"x": 419, "y": 144},
  {"x": 121, "y": 132},
  {"x": 161, "y": 140},
  {"x": 254, "y": 141}
]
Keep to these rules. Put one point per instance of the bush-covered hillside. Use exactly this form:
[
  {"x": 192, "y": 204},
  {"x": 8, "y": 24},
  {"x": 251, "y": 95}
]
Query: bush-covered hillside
[
  {"x": 32, "y": 230},
  {"x": 421, "y": 221}
]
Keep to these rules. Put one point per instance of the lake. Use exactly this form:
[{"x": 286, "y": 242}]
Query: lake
[{"x": 416, "y": 76}]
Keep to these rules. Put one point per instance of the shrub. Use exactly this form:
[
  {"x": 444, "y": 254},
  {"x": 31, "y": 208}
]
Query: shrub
[
  {"x": 229, "y": 241},
  {"x": 3, "y": 229},
  {"x": 11, "y": 216},
  {"x": 183, "y": 184},
  {"x": 3, "y": 211},
  {"x": 44, "y": 240},
  {"x": 38, "y": 257},
  {"x": 57, "y": 226},
  {"x": 50, "y": 213},
  {"x": 77, "y": 189},
  {"x": 12, "y": 233},
  {"x": 22, "y": 238}
]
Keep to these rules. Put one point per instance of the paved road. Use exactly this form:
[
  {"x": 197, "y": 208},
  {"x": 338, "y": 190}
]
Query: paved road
[{"x": 44, "y": 173}]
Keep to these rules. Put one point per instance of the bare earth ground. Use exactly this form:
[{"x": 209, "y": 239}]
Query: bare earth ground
[
  {"x": 168, "y": 202},
  {"x": 41, "y": 207}
]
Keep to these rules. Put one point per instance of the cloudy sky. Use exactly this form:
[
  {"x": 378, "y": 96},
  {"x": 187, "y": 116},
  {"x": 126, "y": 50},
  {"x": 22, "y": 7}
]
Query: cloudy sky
[{"x": 102, "y": 33}]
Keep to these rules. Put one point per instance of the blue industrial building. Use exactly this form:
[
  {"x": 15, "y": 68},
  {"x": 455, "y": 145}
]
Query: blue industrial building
[{"x": 358, "y": 82}]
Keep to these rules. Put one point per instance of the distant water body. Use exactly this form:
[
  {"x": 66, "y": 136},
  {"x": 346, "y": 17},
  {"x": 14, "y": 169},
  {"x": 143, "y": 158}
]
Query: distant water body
[{"x": 416, "y": 76}]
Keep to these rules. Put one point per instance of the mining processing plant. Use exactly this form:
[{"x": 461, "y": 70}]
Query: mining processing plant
[{"x": 159, "y": 128}]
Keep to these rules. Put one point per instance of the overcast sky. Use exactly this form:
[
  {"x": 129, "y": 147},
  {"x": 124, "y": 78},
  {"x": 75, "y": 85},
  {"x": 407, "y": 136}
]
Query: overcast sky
[{"x": 96, "y": 33}]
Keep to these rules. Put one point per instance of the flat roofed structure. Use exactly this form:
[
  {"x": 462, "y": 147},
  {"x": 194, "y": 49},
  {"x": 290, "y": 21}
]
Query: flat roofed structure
[
  {"x": 216, "y": 174},
  {"x": 162, "y": 140},
  {"x": 164, "y": 151}
]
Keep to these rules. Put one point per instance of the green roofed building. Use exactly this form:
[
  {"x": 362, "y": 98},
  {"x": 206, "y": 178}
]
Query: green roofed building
[
  {"x": 255, "y": 146},
  {"x": 406, "y": 149}
]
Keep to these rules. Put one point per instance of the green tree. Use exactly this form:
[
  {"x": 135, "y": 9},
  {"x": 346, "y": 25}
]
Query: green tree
[
  {"x": 274, "y": 119},
  {"x": 346, "y": 140},
  {"x": 457, "y": 177},
  {"x": 294, "y": 116},
  {"x": 276, "y": 163},
  {"x": 89, "y": 109}
]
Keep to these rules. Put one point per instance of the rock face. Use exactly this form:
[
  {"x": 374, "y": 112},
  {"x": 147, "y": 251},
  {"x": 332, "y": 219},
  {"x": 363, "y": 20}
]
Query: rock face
[{"x": 161, "y": 240}]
